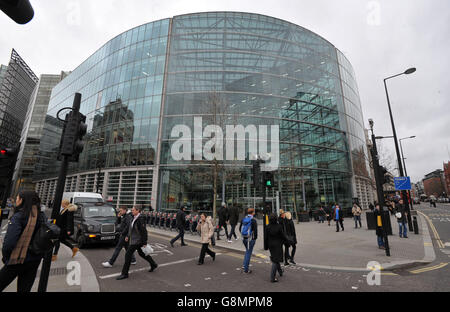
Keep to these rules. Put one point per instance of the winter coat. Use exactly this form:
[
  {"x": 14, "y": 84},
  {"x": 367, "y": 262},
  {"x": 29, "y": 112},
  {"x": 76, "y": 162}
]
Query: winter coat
[
  {"x": 181, "y": 219},
  {"x": 234, "y": 215},
  {"x": 206, "y": 230},
  {"x": 123, "y": 223},
  {"x": 290, "y": 231},
  {"x": 65, "y": 219},
  {"x": 275, "y": 238},
  {"x": 341, "y": 214},
  {"x": 137, "y": 233},
  {"x": 356, "y": 211},
  {"x": 16, "y": 226},
  {"x": 401, "y": 208},
  {"x": 223, "y": 216}
]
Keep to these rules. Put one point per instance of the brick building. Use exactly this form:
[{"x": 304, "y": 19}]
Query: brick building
[{"x": 434, "y": 183}]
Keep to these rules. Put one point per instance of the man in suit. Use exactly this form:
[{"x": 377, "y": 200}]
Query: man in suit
[
  {"x": 136, "y": 238},
  {"x": 181, "y": 225}
]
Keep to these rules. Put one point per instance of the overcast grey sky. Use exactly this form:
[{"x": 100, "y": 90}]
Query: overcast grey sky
[{"x": 380, "y": 38}]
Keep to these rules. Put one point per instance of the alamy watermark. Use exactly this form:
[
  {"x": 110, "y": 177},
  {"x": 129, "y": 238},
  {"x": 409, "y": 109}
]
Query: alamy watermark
[
  {"x": 374, "y": 276},
  {"x": 73, "y": 277},
  {"x": 234, "y": 140}
]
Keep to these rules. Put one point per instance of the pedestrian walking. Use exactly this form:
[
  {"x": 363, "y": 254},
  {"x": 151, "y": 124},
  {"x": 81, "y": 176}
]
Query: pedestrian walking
[
  {"x": 249, "y": 233},
  {"x": 137, "y": 239},
  {"x": 357, "y": 211},
  {"x": 338, "y": 217},
  {"x": 275, "y": 238},
  {"x": 223, "y": 219},
  {"x": 19, "y": 261},
  {"x": 124, "y": 219},
  {"x": 322, "y": 214},
  {"x": 379, "y": 231},
  {"x": 291, "y": 237},
  {"x": 65, "y": 223},
  {"x": 181, "y": 225},
  {"x": 233, "y": 219},
  {"x": 401, "y": 219},
  {"x": 206, "y": 230}
]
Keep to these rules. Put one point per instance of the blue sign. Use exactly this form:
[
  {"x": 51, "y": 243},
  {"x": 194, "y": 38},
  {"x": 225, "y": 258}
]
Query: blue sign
[{"x": 402, "y": 184}]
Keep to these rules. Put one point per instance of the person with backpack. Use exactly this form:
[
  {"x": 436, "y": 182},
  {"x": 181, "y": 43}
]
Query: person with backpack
[
  {"x": 20, "y": 262},
  {"x": 249, "y": 232}
]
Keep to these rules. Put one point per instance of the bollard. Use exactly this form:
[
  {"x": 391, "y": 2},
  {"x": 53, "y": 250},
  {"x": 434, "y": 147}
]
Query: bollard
[{"x": 416, "y": 226}]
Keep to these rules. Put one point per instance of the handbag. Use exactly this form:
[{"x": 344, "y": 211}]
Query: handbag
[
  {"x": 398, "y": 215},
  {"x": 44, "y": 239},
  {"x": 147, "y": 249}
]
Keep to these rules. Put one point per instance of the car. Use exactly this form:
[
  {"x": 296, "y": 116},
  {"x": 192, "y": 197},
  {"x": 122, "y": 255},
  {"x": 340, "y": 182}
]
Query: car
[
  {"x": 95, "y": 223},
  {"x": 83, "y": 197}
]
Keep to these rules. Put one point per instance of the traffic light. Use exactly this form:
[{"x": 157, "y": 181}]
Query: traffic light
[
  {"x": 20, "y": 11},
  {"x": 7, "y": 154},
  {"x": 384, "y": 177},
  {"x": 256, "y": 171},
  {"x": 268, "y": 179},
  {"x": 71, "y": 140}
]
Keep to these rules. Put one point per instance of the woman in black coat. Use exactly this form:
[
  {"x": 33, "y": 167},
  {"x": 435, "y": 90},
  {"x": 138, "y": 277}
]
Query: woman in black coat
[
  {"x": 275, "y": 238},
  {"x": 19, "y": 261},
  {"x": 292, "y": 238},
  {"x": 65, "y": 222}
]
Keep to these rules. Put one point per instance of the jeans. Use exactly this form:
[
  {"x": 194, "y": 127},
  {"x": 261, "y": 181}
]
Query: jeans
[
  {"x": 337, "y": 224},
  {"x": 25, "y": 273},
  {"x": 405, "y": 231},
  {"x": 220, "y": 227},
  {"x": 205, "y": 250},
  {"x": 130, "y": 251},
  {"x": 321, "y": 219},
  {"x": 121, "y": 244},
  {"x": 357, "y": 219},
  {"x": 380, "y": 241},
  {"x": 249, "y": 244},
  {"x": 275, "y": 267},
  {"x": 180, "y": 235}
]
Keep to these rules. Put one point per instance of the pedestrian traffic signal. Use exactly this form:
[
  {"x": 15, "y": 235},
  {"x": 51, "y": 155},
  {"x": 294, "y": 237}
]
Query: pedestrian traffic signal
[
  {"x": 256, "y": 172},
  {"x": 268, "y": 179}
]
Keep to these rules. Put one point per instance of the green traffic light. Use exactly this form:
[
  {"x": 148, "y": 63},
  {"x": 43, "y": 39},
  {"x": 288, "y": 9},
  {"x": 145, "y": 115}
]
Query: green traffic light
[{"x": 269, "y": 183}]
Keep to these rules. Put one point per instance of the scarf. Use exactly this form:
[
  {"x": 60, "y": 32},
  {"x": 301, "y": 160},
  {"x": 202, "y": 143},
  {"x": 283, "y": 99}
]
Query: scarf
[{"x": 19, "y": 253}]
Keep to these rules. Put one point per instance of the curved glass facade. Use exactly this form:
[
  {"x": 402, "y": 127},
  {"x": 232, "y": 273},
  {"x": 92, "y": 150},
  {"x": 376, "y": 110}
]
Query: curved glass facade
[{"x": 223, "y": 68}]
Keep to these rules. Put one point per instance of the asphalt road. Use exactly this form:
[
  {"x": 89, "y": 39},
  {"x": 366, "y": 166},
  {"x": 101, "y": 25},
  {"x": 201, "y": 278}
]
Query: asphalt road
[{"x": 179, "y": 272}]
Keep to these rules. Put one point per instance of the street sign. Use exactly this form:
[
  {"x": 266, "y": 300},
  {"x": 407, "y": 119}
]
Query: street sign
[{"x": 402, "y": 183}]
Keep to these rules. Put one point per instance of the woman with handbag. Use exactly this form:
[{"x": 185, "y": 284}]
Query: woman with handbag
[
  {"x": 19, "y": 261},
  {"x": 206, "y": 230},
  {"x": 291, "y": 237}
]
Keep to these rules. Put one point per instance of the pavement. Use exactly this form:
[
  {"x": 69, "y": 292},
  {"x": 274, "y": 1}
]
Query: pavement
[{"x": 319, "y": 247}]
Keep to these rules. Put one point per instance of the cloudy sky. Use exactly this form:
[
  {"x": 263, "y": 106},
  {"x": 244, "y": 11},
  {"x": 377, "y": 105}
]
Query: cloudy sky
[{"x": 381, "y": 38}]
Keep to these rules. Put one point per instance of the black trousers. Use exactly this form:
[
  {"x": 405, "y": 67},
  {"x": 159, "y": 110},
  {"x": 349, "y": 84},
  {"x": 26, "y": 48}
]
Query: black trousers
[
  {"x": 129, "y": 254},
  {"x": 63, "y": 238},
  {"x": 275, "y": 267},
  {"x": 205, "y": 250},
  {"x": 121, "y": 244},
  {"x": 233, "y": 231},
  {"x": 25, "y": 274},
  {"x": 220, "y": 227},
  {"x": 337, "y": 224},
  {"x": 180, "y": 235},
  {"x": 286, "y": 253}
]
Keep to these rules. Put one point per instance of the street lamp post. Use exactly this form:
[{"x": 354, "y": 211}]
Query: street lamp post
[
  {"x": 407, "y": 72},
  {"x": 404, "y": 165}
]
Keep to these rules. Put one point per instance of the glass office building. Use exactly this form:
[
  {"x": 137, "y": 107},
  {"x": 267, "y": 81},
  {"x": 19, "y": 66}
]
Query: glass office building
[{"x": 203, "y": 69}]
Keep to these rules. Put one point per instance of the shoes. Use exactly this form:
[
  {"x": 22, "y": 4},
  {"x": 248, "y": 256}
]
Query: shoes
[
  {"x": 292, "y": 261},
  {"x": 199, "y": 263},
  {"x": 107, "y": 264},
  {"x": 229, "y": 241},
  {"x": 274, "y": 281},
  {"x": 184, "y": 244},
  {"x": 153, "y": 268},
  {"x": 54, "y": 257},
  {"x": 405, "y": 236},
  {"x": 337, "y": 231},
  {"x": 286, "y": 263},
  {"x": 218, "y": 238},
  {"x": 400, "y": 235},
  {"x": 121, "y": 277},
  {"x": 214, "y": 257},
  {"x": 248, "y": 272},
  {"x": 133, "y": 262},
  {"x": 171, "y": 244},
  {"x": 236, "y": 238},
  {"x": 281, "y": 273},
  {"x": 74, "y": 251}
]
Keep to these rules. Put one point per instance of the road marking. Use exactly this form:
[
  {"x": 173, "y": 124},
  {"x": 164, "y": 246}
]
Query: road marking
[
  {"x": 436, "y": 267},
  {"x": 436, "y": 235},
  {"x": 144, "y": 269},
  {"x": 447, "y": 244},
  {"x": 428, "y": 244},
  {"x": 389, "y": 274}
]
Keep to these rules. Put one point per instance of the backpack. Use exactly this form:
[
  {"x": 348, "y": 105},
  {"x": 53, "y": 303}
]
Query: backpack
[
  {"x": 43, "y": 239},
  {"x": 247, "y": 227}
]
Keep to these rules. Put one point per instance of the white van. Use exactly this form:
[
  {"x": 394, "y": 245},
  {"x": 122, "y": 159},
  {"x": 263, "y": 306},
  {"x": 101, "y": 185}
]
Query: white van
[{"x": 83, "y": 197}]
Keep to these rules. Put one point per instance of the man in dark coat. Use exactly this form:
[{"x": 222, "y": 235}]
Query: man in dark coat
[
  {"x": 136, "y": 238},
  {"x": 223, "y": 218},
  {"x": 274, "y": 240},
  {"x": 233, "y": 218},
  {"x": 379, "y": 228},
  {"x": 338, "y": 217},
  {"x": 181, "y": 225},
  {"x": 123, "y": 222}
]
